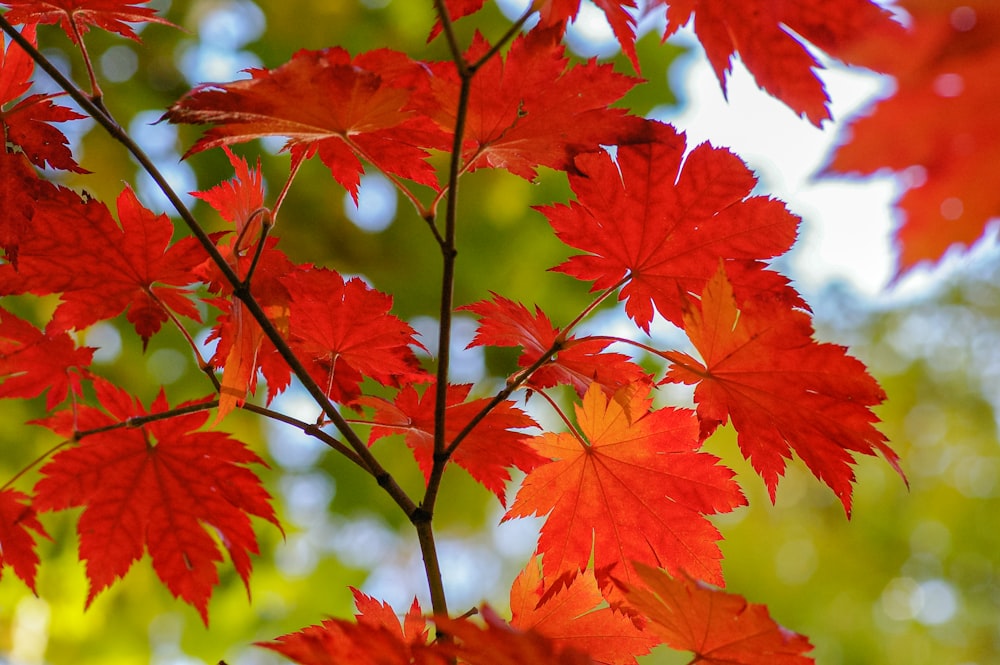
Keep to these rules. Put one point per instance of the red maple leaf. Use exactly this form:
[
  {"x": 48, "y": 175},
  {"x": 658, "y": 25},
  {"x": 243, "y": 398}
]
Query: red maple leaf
[
  {"x": 20, "y": 190},
  {"x": 783, "y": 390},
  {"x": 661, "y": 220},
  {"x": 577, "y": 362},
  {"x": 243, "y": 348},
  {"x": 533, "y": 109},
  {"x": 163, "y": 488},
  {"x": 571, "y": 617},
  {"x": 486, "y": 453},
  {"x": 32, "y": 361},
  {"x": 17, "y": 544},
  {"x": 619, "y": 13},
  {"x": 635, "y": 488},
  {"x": 377, "y": 638},
  {"x": 76, "y": 16},
  {"x": 329, "y": 104},
  {"x": 720, "y": 628},
  {"x": 101, "y": 269},
  {"x": 770, "y": 37},
  {"x": 342, "y": 330},
  {"x": 26, "y": 124},
  {"x": 933, "y": 128}
]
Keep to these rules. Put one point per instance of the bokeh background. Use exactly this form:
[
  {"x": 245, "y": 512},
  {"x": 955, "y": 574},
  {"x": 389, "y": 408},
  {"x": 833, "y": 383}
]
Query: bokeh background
[{"x": 911, "y": 578}]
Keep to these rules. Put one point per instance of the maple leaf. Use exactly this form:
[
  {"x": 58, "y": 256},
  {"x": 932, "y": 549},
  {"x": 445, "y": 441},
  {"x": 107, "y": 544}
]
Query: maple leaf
[
  {"x": 720, "y": 628},
  {"x": 343, "y": 330},
  {"x": 32, "y": 361},
  {"x": 456, "y": 9},
  {"x": 619, "y": 14},
  {"x": 577, "y": 362},
  {"x": 533, "y": 109},
  {"x": 661, "y": 220},
  {"x": 572, "y": 618},
  {"x": 158, "y": 488},
  {"x": 783, "y": 391},
  {"x": 945, "y": 68},
  {"x": 636, "y": 489},
  {"x": 329, "y": 104},
  {"x": 377, "y": 638},
  {"x": 243, "y": 348},
  {"x": 498, "y": 643},
  {"x": 17, "y": 545},
  {"x": 486, "y": 453},
  {"x": 101, "y": 269},
  {"x": 26, "y": 124},
  {"x": 771, "y": 37},
  {"x": 76, "y": 16},
  {"x": 20, "y": 189}
]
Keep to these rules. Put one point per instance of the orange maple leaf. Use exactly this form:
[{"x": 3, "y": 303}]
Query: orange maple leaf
[
  {"x": 631, "y": 487},
  {"x": 720, "y": 628},
  {"x": 782, "y": 390},
  {"x": 572, "y": 618}
]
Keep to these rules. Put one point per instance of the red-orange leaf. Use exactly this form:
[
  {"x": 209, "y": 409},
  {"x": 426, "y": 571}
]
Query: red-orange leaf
[
  {"x": 662, "y": 220},
  {"x": 329, "y": 104},
  {"x": 533, "y": 109},
  {"x": 498, "y": 643},
  {"x": 243, "y": 347},
  {"x": 636, "y": 489},
  {"x": 934, "y": 128},
  {"x": 770, "y": 37},
  {"x": 75, "y": 16},
  {"x": 571, "y": 618},
  {"x": 32, "y": 361},
  {"x": 164, "y": 488},
  {"x": 578, "y": 362},
  {"x": 377, "y": 638},
  {"x": 783, "y": 390},
  {"x": 17, "y": 544},
  {"x": 26, "y": 124},
  {"x": 720, "y": 628},
  {"x": 101, "y": 269},
  {"x": 343, "y": 330},
  {"x": 486, "y": 453}
]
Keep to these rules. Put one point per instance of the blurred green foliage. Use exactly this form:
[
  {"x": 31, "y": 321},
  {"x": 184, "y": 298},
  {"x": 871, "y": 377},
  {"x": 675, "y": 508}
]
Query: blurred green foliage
[{"x": 875, "y": 589}]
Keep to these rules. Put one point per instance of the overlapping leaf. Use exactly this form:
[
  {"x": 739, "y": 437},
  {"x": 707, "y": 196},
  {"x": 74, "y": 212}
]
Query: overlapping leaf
[
  {"x": 486, "y": 453},
  {"x": 498, "y": 643},
  {"x": 76, "y": 16},
  {"x": 162, "y": 488},
  {"x": 343, "y": 331},
  {"x": 720, "y": 628},
  {"x": 770, "y": 37},
  {"x": 532, "y": 109},
  {"x": 27, "y": 123},
  {"x": 32, "y": 361},
  {"x": 933, "y": 129},
  {"x": 243, "y": 347},
  {"x": 326, "y": 103},
  {"x": 572, "y": 618},
  {"x": 578, "y": 362},
  {"x": 17, "y": 543},
  {"x": 660, "y": 221},
  {"x": 377, "y": 638},
  {"x": 636, "y": 488},
  {"x": 101, "y": 269},
  {"x": 20, "y": 189},
  {"x": 783, "y": 391}
]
